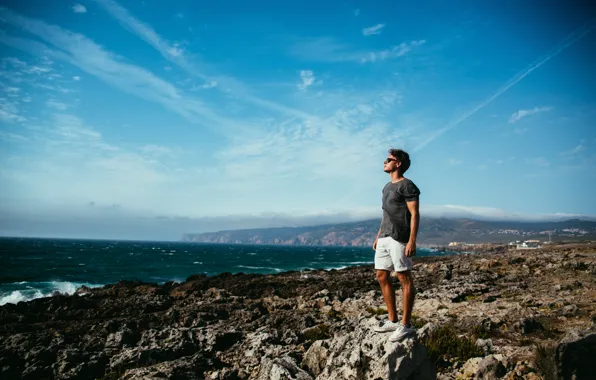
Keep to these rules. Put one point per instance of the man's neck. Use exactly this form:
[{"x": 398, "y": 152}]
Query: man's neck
[{"x": 396, "y": 176}]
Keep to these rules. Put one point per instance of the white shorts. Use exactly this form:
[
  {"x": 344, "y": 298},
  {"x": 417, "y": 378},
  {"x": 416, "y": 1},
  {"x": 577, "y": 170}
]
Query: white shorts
[{"x": 391, "y": 255}]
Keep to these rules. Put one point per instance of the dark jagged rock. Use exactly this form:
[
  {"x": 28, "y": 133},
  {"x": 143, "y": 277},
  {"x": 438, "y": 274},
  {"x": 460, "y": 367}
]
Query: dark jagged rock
[
  {"x": 529, "y": 325},
  {"x": 574, "y": 358}
]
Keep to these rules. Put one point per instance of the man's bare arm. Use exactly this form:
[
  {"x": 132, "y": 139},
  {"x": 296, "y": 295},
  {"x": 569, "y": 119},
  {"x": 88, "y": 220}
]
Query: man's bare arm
[
  {"x": 378, "y": 233},
  {"x": 414, "y": 220}
]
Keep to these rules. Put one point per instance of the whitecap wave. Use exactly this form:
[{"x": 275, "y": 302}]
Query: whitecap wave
[
  {"x": 259, "y": 268},
  {"x": 27, "y": 291},
  {"x": 337, "y": 268},
  {"x": 16, "y": 296}
]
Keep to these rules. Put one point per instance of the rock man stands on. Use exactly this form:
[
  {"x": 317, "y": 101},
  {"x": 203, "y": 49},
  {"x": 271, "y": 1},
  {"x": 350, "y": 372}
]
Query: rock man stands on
[{"x": 396, "y": 242}]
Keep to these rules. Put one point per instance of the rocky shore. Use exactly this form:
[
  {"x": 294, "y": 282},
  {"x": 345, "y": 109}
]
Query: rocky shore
[{"x": 515, "y": 314}]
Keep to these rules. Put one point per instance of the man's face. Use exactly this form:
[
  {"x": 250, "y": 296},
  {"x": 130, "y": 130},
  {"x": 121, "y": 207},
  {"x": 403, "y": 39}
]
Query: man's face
[{"x": 390, "y": 164}]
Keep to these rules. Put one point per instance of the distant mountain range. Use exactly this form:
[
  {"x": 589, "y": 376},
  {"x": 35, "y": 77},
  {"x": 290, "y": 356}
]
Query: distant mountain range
[{"x": 433, "y": 231}]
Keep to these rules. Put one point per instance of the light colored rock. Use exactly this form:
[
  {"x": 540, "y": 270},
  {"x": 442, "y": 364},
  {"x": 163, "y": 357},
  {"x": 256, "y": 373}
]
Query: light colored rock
[
  {"x": 316, "y": 357},
  {"x": 490, "y": 368},
  {"x": 188, "y": 368},
  {"x": 532, "y": 376},
  {"x": 470, "y": 368},
  {"x": 283, "y": 368},
  {"x": 364, "y": 354},
  {"x": 569, "y": 310},
  {"x": 485, "y": 344},
  {"x": 425, "y": 330}
]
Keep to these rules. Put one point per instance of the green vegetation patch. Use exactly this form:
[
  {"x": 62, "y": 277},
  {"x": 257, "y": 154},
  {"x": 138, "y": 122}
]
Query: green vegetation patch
[
  {"x": 317, "y": 333},
  {"x": 443, "y": 343},
  {"x": 418, "y": 322},
  {"x": 376, "y": 311},
  {"x": 481, "y": 332},
  {"x": 335, "y": 315},
  {"x": 544, "y": 359}
]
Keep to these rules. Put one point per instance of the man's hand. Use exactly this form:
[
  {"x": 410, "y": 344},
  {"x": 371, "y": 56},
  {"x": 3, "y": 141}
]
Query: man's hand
[
  {"x": 411, "y": 249},
  {"x": 375, "y": 244}
]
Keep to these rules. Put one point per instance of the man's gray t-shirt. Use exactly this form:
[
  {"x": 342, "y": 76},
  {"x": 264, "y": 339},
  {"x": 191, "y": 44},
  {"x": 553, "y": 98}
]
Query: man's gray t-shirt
[{"x": 396, "y": 216}]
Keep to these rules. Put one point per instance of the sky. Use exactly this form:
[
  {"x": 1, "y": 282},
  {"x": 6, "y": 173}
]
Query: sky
[{"x": 150, "y": 119}]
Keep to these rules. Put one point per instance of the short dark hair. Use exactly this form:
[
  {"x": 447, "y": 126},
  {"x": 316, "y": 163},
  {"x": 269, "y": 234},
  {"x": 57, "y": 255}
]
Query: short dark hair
[{"x": 402, "y": 157}]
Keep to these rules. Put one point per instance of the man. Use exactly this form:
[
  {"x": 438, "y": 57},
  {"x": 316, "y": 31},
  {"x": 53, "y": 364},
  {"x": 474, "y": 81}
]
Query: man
[{"x": 396, "y": 242}]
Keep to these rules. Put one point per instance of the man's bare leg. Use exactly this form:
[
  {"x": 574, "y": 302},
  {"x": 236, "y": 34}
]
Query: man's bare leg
[
  {"x": 384, "y": 278},
  {"x": 408, "y": 292}
]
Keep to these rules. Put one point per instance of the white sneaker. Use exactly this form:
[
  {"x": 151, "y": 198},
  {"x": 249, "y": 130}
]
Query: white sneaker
[
  {"x": 401, "y": 332},
  {"x": 387, "y": 326}
]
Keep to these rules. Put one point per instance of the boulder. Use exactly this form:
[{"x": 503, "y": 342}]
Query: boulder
[
  {"x": 490, "y": 368},
  {"x": 470, "y": 368},
  {"x": 486, "y": 345},
  {"x": 574, "y": 357},
  {"x": 315, "y": 358},
  {"x": 365, "y": 354}
]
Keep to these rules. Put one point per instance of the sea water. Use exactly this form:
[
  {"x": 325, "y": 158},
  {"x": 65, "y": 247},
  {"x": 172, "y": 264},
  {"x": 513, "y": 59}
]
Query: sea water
[{"x": 35, "y": 268}]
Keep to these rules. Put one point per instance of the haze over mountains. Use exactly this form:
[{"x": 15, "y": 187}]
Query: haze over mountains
[{"x": 433, "y": 231}]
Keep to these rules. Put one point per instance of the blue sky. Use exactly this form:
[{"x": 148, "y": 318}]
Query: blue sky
[{"x": 146, "y": 119}]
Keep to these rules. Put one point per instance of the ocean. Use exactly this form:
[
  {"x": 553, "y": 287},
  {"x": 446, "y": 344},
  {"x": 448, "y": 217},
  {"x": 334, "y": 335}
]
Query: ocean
[{"x": 34, "y": 268}]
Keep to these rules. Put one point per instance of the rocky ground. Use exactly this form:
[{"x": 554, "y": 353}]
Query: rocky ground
[{"x": 499, "y": 314}]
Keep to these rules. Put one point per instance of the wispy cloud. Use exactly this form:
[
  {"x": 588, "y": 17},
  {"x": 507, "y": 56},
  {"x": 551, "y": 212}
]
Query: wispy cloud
[
  {"x": 280, "y": 149},
  {"x": 516, "y": 116},
  {"x": 307, "y": 78},
  {"x": 455, "y": 161},
  {"x": 69, "y": 148},
  {"x": 575, "y": 150},
  {"x": 538, "y": 161},
  {"x": 173, "y": 53},
  {"x": 205, "y": 86},
  {"x": 12, "y": 137},
  {"x": 82, "y": 52},
  {"x": 493, "y": 213},
  {"x": 393, "y": 52},
  {"x": 79, "y": 8},
  {"x": 56, "y": 105},
  {"x": 288, "y": 154},
  {"x": 9, "y": 112},
  {"x": 356, "y": 134},
  {"x": 568, "y": 41},
  {"x": 39, "y": 74},
  {"x": 328, "y": 49},
  {"x": 372, "y": 30},
  {"x": 156, "y": 150},
  {"x": 11, "y": 101}
]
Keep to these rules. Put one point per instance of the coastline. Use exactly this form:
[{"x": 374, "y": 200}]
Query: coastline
[
  {"x": 38, "y": 269},
  {"x": 507, "y": 303}
]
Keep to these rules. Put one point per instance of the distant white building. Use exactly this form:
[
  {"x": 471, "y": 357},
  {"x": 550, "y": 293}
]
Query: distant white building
[{"x": 528, "y": 244}]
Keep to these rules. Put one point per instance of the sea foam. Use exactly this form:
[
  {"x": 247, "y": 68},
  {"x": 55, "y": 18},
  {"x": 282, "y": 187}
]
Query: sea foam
[{"x": 27, "y": 291}]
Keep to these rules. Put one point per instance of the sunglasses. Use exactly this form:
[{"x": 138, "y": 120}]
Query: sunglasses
[{"x": 388, "y": 160}]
